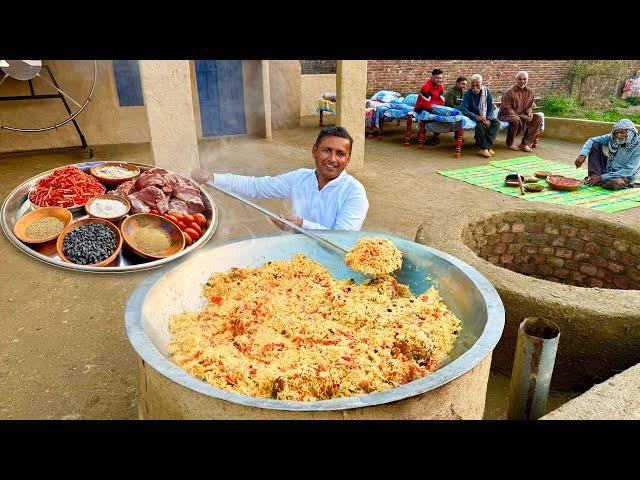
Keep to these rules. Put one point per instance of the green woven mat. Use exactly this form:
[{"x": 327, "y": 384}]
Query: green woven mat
[{"x": 491, "y": 177}]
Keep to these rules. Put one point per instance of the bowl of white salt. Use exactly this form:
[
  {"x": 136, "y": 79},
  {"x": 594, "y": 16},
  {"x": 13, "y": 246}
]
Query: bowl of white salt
[{"x": 108, "y": 207}]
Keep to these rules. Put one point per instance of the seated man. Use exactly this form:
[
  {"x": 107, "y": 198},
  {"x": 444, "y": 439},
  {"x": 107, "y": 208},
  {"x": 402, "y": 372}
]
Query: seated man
[
  {"x": 477, "y": 104},
  {"x": 431, "y": 93},
  {"x": 323, "y": 198},
  {"x": 622, "y": 167},
  {"x": 516, "y": 108},
  {"x": 453, "y": 96}
]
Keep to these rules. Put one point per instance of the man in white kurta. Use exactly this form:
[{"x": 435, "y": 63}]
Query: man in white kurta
[{"x": 324, "y": 198}]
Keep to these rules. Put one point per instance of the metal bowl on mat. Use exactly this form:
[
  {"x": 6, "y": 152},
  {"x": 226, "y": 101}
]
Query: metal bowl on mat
[
  {"x": 171, "y": 392},
  {"x": 511, "y": 180}
]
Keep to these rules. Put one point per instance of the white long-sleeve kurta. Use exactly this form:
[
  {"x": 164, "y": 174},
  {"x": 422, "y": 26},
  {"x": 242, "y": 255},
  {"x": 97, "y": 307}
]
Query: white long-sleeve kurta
[{"x": 341, "y": 205}]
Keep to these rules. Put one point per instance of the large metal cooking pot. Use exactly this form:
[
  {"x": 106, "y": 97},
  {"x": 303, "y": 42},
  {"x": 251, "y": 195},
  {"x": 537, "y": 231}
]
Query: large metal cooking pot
[{"x": 456, "y": 390}]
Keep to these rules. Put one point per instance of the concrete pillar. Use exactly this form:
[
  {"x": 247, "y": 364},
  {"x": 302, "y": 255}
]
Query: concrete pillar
[
  {"x": 351, "y": 91},
  {"x": 266, "y": 95},
  {"x": 166, "y": 86}
]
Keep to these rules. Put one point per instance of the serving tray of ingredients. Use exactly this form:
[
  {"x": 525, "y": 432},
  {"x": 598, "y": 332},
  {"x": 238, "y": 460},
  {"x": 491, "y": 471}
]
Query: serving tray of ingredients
[{"x": 108, "y": 216}]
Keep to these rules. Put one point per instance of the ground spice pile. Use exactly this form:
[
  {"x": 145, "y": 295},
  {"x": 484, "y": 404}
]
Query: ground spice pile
[{"x": 151, "y": 239}]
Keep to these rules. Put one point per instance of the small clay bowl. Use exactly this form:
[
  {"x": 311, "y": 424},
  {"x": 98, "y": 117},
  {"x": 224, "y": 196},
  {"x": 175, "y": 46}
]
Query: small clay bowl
[
  {"x": 534, "y": 187},
  {"x": 141, "y": 220},
  {"x": 542, "y": 173},
  {"x": 86, "y": 221},
  {"x": 20, "y": 228},
  {"x": 530, "y": 179},
  {"x": 108, "y": 196},
  {"x": 95, "y": 171}
]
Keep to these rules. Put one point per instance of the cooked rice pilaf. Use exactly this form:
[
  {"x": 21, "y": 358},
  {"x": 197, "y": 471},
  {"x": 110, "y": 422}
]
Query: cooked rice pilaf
[
  {"x": 288, "y": 330},
  {"x": 374, "y": 256}
]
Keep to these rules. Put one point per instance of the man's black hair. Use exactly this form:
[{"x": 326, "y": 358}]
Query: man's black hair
[
  {"x": 436, "y": 71},
  {"x": 461, "y": 79},
  {"x": 333, "y": 131}
]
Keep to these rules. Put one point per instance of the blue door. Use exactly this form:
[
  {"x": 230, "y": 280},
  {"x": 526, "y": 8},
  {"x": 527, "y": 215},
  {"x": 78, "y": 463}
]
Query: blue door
[{"x": 221, "y": 95}]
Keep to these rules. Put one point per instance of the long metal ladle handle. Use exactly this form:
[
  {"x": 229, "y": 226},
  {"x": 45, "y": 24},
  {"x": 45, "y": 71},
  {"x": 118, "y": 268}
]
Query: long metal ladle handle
[{"x": 317, "y": 238}]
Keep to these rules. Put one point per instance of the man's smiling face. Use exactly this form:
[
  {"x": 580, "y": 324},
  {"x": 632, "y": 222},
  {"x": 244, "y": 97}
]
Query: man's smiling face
[{"x": 331, "y": 155}]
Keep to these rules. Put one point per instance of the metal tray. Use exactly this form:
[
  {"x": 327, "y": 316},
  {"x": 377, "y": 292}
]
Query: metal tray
[{"x": 17, "y": 204}]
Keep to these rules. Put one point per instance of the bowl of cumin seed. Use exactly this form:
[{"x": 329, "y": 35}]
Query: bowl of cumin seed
[{"x": 42, "y": 225}]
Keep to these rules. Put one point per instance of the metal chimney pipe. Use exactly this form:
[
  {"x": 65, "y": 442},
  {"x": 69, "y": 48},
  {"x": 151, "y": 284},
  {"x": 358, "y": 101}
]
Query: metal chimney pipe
[{"x": 532, "y": 368}]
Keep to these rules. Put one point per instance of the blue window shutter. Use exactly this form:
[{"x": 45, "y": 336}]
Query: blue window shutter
[{"x": 127, "y": 76}]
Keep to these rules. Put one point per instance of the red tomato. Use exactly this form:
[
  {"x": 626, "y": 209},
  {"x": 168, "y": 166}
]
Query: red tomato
[
  {"x": 179, "y": 216},
  {"x": 187, "y": 239},
  {"x": 172, "y": 218},
  {"x": 155, "y": 212},
  {"x": 192, "y": 233},
  {"x": 200, "y": 219},
  {"x": 196, "y": 227},
  {"x": 188, "y": 219},
  {"x": 181, "y": 225}
]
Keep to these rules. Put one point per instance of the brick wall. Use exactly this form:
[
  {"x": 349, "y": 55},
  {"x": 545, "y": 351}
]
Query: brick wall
[
  {"x": 407, "y": 76},
  {"x": 318, "y": 66},
  {"x": 559, "y": 250}
]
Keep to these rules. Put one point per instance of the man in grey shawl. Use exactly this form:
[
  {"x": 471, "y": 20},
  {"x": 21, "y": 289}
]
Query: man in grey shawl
[
  {"x": 621, "y": 168},
  {"x": 477, "y": 104}
]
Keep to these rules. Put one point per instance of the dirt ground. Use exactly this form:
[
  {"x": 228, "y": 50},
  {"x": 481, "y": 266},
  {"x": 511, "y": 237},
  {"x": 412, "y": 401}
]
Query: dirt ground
[{"x": 64, "y": 353}]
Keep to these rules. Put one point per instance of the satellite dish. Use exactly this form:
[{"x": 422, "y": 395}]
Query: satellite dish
[{"x": 23, "y": 69}]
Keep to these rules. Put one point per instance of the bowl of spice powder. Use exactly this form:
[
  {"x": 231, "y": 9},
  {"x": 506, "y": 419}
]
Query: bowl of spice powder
[
  {"x": 151, "y": 236},
  {"x": 42, "y": 225}
]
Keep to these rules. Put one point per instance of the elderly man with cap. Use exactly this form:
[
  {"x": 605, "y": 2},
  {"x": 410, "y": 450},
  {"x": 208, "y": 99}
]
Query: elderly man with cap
[
  {"x": 516, "y": 108},
  {"x": 621, "y": 168}
]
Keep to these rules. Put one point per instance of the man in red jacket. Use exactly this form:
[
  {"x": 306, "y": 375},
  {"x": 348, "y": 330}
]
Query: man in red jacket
[{"x": 431, "y": 93}]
